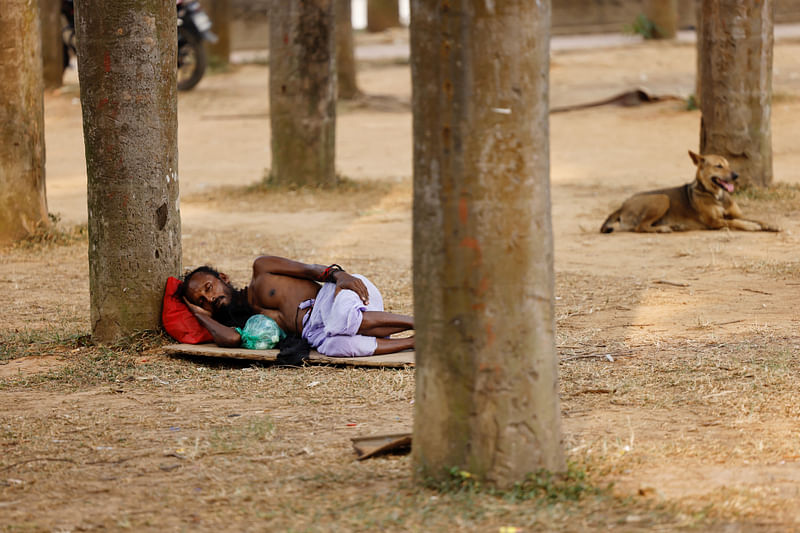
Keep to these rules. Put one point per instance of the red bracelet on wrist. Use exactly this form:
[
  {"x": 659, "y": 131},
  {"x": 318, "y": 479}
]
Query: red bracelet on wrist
[{"x": 327, "y": 274}]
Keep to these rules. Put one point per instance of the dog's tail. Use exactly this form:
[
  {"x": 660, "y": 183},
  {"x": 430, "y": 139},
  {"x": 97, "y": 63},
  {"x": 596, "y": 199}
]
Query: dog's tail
[{"x": 608, "y": 225}]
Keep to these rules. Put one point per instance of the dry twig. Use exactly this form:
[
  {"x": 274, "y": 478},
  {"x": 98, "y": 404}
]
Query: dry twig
[{"x": 672, "y": 283}]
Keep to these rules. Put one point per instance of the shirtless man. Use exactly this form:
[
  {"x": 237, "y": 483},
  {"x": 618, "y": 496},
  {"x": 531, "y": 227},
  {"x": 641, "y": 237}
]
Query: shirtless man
[{"x": 342, "y": 317}]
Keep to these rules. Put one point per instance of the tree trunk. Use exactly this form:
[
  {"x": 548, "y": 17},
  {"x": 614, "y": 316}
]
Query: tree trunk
[
  {"x": 345, "y": 52},
  {"x": 382, "y": 15},
  {"x": 687, "y": 13},
  {"x": 698, "y": 78},
  {"x": 664, "y": 15},
  {"x": 736, "y": 74},
  {"x": 486, "y": 398},
  {"x": 23, "y": 204},
  {"x": 52, "y": 45},
  {"x": 302, "y": 89},
  {"x": 127, "y": 70},
  {"x": 220, "y": 13}
]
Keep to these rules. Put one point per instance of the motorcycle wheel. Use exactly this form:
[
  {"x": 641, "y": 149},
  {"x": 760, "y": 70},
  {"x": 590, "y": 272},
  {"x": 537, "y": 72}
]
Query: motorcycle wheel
[{"x": 191, "y": 59}]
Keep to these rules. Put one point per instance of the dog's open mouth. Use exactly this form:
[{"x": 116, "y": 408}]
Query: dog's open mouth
[{"x": 728, "y": 186}]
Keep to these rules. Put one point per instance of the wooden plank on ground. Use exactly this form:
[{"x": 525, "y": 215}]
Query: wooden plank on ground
[
  {"x": 393, "y": 360},
  {"x": 377, "y": 444}
]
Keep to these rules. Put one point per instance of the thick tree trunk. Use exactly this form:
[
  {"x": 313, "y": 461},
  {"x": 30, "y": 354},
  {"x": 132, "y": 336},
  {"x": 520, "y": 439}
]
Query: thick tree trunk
[
  {"x": 698, "y": 78},
  {"x": 687, "y": 13},
  {"x": 220, "y": 13},
  {"x": 486, "y": 398},
  {"x": 345, "y": 51},
  {"x": 382, "y": 15},
  {"x": 302, "y": 89},
  {"x": 23, "y": 205},
  {"x": 664, "y": 15},
  {"x": 126, "y": 53},
  {"x": 736, "y": 85},
  {"x": 52, "y": 45}
]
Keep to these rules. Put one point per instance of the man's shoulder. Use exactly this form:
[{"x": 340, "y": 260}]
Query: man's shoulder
[
  {"x": 261, "y": 265},
  {"x": 263, "y": 269}
]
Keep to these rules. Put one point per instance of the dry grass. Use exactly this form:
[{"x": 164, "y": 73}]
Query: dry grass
[
  {"x": 348, "y": 195},
  {"x": 239, "y": 447},
  {"x": 168, "y": 443},
  {"x": 54, "y": 233},
  {"x": 124, "y": 437},
  {"x": 244, "y": 447}
]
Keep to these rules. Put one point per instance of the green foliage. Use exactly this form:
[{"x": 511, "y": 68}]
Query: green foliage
[
  {"x": 643, "y": 26},
  {"x": 542, "y": 486},
  {"x": 691, "y": 103}
]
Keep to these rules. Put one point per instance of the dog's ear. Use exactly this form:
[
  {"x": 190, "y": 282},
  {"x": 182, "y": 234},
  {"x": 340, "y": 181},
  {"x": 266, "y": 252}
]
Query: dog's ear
[{"x": 696, "y": 158}]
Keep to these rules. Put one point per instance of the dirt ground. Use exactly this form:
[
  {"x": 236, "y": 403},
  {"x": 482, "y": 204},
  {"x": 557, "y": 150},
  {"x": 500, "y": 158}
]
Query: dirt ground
[{"x": 678, "y": 352}]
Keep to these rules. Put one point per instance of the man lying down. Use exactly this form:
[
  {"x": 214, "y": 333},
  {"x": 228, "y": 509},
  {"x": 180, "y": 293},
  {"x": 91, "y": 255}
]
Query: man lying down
[{"x": 342, "y": 317}]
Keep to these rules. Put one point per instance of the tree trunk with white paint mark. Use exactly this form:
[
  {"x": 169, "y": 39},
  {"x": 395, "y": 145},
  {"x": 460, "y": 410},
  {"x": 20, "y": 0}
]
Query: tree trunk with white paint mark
[
  {"x": 664, "y": 16},
  {"x": 23, "y": 205},
  {"x": 302, "y": 90},
  {"x": 487, "y": 372},
  {"x": 52, "y": 43},
  {"x": 345, "y": 52},
  {"x": 127, "y": 69},
  {"x": 736, "y": 85}
]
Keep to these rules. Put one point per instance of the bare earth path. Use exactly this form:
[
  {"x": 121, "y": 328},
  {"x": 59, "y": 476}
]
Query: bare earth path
[{"x": 679, "y": 352}]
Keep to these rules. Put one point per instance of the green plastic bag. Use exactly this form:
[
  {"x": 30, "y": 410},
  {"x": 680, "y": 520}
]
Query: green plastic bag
[{"x": 260, "y": 333}]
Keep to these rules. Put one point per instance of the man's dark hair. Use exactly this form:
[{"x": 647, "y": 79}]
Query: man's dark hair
[{"x": 180, "y": 292}]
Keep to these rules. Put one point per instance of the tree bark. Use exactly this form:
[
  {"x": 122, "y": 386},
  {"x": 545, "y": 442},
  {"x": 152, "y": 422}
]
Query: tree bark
[
  {"x": 302, "y": 89},
  {"x": 664, "y": 15},
  {"x": 23, "y": 204},
  {"x": 220, "y": 13},
  {"x": 52, "y": 45},
  {"x": 382, "y": 15},
  {"x": 127, "y": 71},
  {"x": 736, "y": 85},
  {"x": 486, "y": 397},
  {"x": 687, "y": 13},
  {"x": 345, "y": 52},
  {"x": 698, "y": 78}
]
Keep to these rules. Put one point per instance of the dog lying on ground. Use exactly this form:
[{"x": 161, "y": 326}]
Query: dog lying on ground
[{"x": 705, "y": 203}]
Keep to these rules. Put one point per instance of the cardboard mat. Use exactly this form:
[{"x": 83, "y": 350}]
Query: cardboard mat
[
  {"x": 393, "y": 360},
  {"x": 373, "y": 445}
]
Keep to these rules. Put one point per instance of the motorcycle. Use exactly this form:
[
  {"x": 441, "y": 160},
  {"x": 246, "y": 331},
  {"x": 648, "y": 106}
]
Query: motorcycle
[{"x": 194, "y": 27}]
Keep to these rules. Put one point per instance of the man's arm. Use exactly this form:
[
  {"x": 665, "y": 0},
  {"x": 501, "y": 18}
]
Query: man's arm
[
  {"x": 287, "y": 267},
  {"x": 224, "y": 336}
]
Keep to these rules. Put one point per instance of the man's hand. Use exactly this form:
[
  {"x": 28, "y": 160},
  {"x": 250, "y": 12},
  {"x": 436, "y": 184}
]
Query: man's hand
[
  {"x": 224, "y": 336},
  {"x": 350, "y": 282},
  {"x": 196, "y": 309}
]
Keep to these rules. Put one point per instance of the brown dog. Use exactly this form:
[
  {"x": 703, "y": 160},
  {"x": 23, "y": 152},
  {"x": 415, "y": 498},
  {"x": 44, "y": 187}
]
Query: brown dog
[{"x": 705, "y": 203}]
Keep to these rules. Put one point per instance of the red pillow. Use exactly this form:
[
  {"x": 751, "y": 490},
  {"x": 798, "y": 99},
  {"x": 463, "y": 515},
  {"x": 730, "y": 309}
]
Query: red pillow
[{"x": 179, "y": 322}]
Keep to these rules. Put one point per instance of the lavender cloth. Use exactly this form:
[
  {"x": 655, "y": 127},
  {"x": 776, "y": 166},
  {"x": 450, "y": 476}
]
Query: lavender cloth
[{"x": 332, "y": 325}]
